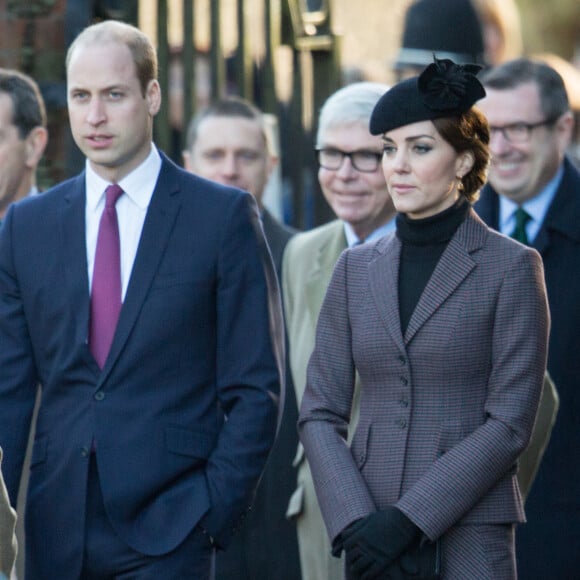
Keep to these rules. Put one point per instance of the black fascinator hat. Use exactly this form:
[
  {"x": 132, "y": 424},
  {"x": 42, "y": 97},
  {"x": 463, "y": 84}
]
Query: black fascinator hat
[{"x": 443, "y": 89}]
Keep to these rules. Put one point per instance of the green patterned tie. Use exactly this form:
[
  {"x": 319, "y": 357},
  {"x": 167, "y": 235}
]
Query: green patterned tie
[{"x": 519, "y": 233}]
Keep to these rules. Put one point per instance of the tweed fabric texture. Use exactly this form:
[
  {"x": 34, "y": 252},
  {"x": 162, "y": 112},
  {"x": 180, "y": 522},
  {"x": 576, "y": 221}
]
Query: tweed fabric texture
[
  {"x": 482, "y": 552},
  {"x": 446, "y": 409}
]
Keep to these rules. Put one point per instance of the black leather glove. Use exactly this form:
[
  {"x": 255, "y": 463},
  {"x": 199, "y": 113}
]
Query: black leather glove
[
  {"x": 337, "y": 546},
  {"x": 338, "y": 543},
  {"x": 395, "y": 572},
  {"x": 372, "y": 544}
]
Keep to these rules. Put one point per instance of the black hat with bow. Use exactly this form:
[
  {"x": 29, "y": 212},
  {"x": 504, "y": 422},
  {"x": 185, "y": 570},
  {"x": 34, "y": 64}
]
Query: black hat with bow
[{"x": 443, "y": 89}]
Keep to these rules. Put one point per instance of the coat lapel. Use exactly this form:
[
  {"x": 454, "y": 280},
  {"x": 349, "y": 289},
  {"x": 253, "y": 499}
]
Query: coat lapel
[
  {"x": 453, "y": 267},
  {"x": 383, "y": 280},
  {"x": 563, "y": 214},
  {"x": 161, "y": 215},
  {"x": 319, "y": 277},
  {"x": 73, "y": 250},
  {"x": 487, "y": 207}
]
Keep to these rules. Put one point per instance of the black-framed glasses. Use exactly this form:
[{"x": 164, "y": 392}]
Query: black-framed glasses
[
  {"x": 362, "y": 160},
  {"x": 519, "y": 132}
]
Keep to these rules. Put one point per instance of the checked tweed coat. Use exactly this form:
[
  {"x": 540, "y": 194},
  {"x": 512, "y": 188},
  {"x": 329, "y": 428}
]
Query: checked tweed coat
[{"x": 447, "y": 408}]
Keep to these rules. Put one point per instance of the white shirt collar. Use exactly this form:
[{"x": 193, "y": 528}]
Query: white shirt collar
[
  {"x": 352, "y": 239},
  {"x": 137, "y": 185}
]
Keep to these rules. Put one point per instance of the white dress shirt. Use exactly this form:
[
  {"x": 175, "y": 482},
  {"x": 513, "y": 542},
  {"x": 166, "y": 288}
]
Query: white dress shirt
[
  {"x": 131, "y": 211},
  {"x": 352, "y": 239}
]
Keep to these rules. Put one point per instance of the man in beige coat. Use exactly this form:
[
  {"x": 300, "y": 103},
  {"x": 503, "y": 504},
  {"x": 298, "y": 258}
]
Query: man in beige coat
[
  {"x": 7, "y": 525},
  {"x": 353, "y": 184}
]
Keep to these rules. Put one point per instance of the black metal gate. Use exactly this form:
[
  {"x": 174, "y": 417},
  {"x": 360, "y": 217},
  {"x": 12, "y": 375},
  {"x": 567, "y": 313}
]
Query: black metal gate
[{"x": 299, "y": 29}]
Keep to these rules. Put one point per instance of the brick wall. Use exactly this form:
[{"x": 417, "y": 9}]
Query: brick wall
[{"x": 32, "y": 40}]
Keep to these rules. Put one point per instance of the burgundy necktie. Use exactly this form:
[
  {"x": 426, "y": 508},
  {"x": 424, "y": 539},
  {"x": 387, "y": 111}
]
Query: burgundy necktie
[{"x": 106, "y": 288}]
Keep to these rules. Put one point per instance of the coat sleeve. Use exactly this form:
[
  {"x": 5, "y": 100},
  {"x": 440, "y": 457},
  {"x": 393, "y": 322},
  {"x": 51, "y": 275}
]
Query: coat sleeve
[
  {"x": 250, "y": 368},
  {"x": 326, "y": 412},
  {"x": 18, "y": 377}
]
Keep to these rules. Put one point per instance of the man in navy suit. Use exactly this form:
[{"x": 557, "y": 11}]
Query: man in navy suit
[
  {"x": 229, "y": 142},
  {"x": 152, "y": 432},
  {"x": 531, "y": 126}
]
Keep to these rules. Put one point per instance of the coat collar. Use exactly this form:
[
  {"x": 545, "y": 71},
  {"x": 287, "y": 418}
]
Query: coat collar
[
  {"x": 563, "y": 215},
  {"x": 73, "y": 251},
  {"x": 161, "y": 216},
  {"x": 454, "y": 266}
]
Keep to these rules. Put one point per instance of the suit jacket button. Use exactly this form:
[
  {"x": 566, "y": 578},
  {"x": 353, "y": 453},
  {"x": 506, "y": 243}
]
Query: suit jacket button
[{"x": 99, "y": 396}]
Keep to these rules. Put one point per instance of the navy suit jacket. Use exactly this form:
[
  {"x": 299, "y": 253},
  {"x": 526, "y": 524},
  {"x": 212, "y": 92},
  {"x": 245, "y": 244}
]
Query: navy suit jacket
[
  {"x": 199, "y": 340},
  {"x": 548, "y": 546},
  {"x": 266, "y": 546}
]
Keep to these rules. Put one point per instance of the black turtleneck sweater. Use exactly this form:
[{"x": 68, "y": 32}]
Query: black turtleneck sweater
[{"x": 424, "y": 240}]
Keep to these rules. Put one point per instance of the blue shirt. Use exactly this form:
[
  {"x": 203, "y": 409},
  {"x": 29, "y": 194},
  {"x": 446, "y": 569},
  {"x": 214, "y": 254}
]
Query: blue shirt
[{"x": 537, "y": 207}]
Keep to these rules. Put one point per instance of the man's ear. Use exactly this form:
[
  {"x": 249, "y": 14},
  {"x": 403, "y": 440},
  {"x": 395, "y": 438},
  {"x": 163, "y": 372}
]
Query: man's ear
[
  {"x": 273, "y": 161},
  {"x": 565, "y": 129},
  {"x": 35, "y": 145},
  {"x": 186, "y": 156},
  {"x": 153, "y": 96}
]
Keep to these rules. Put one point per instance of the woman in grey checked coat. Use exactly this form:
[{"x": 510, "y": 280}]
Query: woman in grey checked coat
[{"x": 446, "y": 322}]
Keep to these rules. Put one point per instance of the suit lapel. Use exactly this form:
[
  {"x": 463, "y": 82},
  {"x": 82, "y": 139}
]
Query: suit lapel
[
  {"x": 487, "y": 207},
  {"x": 73, "y": 250},
  {"x": 161, "y": 215},
  {"x": 563, "y": 215},
  {"x": 453, "y": 267},
  {"x": 319, "y": 277}
]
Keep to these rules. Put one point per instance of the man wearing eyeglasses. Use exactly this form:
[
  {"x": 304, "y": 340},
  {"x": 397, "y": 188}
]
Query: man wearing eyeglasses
[
  {"x": 353, "y": 183},
  {"x": 533, "y": 194}
]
